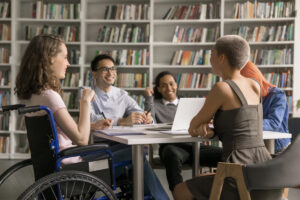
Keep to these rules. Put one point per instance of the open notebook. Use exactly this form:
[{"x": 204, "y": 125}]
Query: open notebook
[{"x": 186, "y": 110}]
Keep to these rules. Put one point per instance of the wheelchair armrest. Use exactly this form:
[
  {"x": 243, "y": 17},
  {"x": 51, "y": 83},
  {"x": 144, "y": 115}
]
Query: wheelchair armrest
[
  {"x": 12, "y": 107},
  {"x": 83, "y": 149}
]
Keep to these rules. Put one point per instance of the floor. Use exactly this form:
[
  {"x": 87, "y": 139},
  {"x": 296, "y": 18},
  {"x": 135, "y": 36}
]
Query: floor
[{"x": 15, "y": 185}]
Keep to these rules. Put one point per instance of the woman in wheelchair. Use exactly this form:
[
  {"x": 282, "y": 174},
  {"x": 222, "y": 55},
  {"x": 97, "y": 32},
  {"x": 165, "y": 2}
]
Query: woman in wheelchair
[{"x": 42, "y": 67}]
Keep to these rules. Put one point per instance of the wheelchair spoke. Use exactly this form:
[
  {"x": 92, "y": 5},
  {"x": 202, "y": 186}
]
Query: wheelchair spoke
[
  {"x": 66, "y": 193},
  {"x": 93, "y": 196},
  {"x": 87, "y": 193},
  {"x": 72, "y": 189},
  {"x": 81, "y": 193},
  {"x": 43, "y": 195},
  {"x": 53, "y": 192}
]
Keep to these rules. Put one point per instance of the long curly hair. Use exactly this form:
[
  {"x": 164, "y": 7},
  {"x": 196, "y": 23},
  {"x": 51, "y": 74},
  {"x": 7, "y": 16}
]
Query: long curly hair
[{"x": 35, "y": 74}]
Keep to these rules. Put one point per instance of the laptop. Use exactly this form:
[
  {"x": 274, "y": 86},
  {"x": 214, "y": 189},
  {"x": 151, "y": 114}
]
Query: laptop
[{"x": 186, "y": 110}]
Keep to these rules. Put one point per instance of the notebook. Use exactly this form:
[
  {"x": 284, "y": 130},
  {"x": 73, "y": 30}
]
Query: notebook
[
  {"x": 120, "y": 130},
  {"x": 186, "y": 110}
]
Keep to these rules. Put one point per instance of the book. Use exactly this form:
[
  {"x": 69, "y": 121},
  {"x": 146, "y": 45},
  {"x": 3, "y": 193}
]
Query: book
[{"x": 120, "y": 130}]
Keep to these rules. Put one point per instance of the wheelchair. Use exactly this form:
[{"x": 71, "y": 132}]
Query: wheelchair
[{"x": 93, "y": 179}]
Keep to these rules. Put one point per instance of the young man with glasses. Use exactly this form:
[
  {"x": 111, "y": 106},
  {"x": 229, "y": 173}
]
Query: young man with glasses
[{"x": 115, "y": 103}]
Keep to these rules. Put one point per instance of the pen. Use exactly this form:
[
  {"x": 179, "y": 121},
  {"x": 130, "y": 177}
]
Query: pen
[
  {"x": 102, "y": 113},
  {"x": 148, "y": 111}
]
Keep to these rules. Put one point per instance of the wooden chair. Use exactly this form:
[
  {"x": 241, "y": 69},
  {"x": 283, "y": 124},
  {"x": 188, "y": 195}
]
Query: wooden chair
[{"x": 280, "y": 172}]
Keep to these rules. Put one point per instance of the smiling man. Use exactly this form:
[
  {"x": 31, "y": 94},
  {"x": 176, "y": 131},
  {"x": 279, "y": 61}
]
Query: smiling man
[{"x": 114, "y": 102}]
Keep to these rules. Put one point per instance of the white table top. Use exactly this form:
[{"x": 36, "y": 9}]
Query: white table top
[{"x": 152, "y": 137}]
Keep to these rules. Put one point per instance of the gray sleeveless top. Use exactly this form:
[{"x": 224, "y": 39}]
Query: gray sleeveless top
[{"x": 240, "y": 131}]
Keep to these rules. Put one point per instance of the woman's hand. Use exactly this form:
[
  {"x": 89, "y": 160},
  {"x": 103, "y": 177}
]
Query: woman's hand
[
  {"x": 203, "y": 131},
  {"x": 148, "y": 92},
  {"x": 87, "y": 95}
]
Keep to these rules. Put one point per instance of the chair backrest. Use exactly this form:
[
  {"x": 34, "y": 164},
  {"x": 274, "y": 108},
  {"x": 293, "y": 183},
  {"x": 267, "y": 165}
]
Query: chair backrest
[
  {"x": 280, "y": 172},
  {"x": 40, "y": 136},
  {"x": 294, "y": 126}
]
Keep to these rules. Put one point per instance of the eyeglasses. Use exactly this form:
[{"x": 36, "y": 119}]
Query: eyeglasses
[{"x": 107, "y": 69}]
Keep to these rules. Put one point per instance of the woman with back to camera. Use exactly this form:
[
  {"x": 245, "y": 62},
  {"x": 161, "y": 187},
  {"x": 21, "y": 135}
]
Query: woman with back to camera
[
  {"x": 274, "y": 103},
  {"x": 163, "y": 108},
  {"x": 235, "y": 105},
  {"x": 42, "y": 67}
]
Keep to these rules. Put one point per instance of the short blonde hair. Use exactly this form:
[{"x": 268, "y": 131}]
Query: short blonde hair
[{"x": 235, "y": 48}]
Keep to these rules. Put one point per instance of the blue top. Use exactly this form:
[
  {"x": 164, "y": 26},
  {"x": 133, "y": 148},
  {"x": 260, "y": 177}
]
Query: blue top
[
  {"x": 276, "y": 115},
  {"x": 115, "y": 104}
]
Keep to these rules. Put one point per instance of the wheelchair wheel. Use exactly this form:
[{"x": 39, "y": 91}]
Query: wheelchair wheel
[{"x": 71, "y": 185}]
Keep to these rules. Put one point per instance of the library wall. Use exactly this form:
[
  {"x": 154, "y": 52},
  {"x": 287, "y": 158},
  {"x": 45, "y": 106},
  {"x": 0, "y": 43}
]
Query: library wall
[{"x": 146, "y": 37}]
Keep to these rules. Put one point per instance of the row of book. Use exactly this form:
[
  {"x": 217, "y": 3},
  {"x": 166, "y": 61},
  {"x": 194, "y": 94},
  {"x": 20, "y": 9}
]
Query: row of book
[
  {"x": 4, "y": 55},
  {"x": 269, "y": 9},
  {"x": 128, "y": 56},
  {"x": 127, "y": 33},
  {"x": 266, "y": 33},
  {"x": 21, "y": 123},
  {"x": 132, "y": 80},
  {"x": 4, "y": 144},
  {"x": 68, "y": 33},
  {"x": 69, "y": 99},
  {"x": 21, "y": 144},
  {"x": 281, "y": 80},
  {"x": 272, "y": 56},
  {"x": 127, "y": 12},
  {"x": 186, "y": 57},
  {"x": 140, "y": 99},
  {"x": 4, "y": 98},
  {"x": 71, "y": 79},
  {"x": 88, "y": 78},
  {"x": 42, "y": 10},
  {"x": 191, "y": 34},
  {"x": 4, "y": 77},
  {"x": 4, "y": 122},
  {"x": 73, "y": 56},
  {"x": 196, "y": 11},
  {"x": 5, "y": 32},
  {"x": 4, "y": 9},
  {"x": 196, "y": 80}
]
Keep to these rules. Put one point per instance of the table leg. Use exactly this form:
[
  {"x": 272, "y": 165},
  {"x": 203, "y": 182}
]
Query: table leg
[
  {"x": 196, "y": 158},
  {"x": 270, "y": 145},
  {"x": 138, "y": 171}
]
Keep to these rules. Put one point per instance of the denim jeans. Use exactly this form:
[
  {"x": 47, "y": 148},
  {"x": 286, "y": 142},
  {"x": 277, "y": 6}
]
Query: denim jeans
[{"x": 152, "y": 185}]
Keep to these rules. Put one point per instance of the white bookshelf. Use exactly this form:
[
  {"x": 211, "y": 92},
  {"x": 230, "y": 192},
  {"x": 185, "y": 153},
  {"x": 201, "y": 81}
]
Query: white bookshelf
[{"x": 160, "y": 45}]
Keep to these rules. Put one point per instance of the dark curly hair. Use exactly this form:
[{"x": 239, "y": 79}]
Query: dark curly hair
[
  {"x": 157, "y": 94},
  {"x": 35, "y": 75}
]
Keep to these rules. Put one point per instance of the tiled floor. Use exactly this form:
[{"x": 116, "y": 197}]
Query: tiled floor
[{"x": 16, "y": 184}]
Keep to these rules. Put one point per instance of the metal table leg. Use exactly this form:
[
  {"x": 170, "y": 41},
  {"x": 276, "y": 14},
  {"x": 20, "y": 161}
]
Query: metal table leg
[
  {"x": 196, "y": 158},
  {"x": 270, "y": 145},
  {"x": 138, "y": 171}
]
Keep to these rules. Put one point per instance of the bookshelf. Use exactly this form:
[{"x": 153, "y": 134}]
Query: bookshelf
[{"x": 145, "y": 37}]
